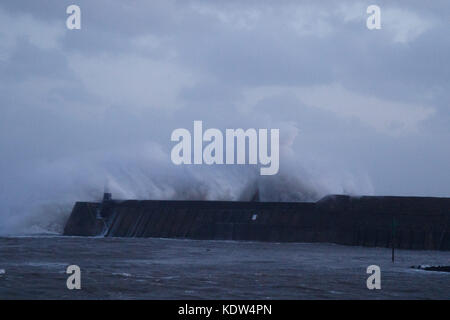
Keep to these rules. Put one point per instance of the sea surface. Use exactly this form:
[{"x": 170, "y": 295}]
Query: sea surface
[{"x": 129, "y": 268}]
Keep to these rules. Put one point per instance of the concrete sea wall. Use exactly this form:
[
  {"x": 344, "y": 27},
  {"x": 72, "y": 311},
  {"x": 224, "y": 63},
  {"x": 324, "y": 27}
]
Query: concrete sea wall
[{"x": 411, "y": 222}]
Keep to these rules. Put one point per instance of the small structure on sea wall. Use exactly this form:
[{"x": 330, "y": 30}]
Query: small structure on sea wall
[{"x": 405, "y": 222}]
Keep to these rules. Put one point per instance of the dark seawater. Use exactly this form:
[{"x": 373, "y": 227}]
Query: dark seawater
[{"x": 126, "y": 268}]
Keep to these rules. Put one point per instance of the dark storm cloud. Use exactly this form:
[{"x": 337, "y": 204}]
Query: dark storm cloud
[{"x": 28, "y": 61}]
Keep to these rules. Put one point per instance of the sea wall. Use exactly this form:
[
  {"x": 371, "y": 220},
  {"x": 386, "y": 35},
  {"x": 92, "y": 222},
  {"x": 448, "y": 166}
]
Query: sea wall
[{"x": 411, "y": 222}]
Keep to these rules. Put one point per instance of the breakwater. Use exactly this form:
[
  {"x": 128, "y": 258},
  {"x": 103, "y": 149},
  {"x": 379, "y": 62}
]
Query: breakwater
[{"x": 406, "y": 222}]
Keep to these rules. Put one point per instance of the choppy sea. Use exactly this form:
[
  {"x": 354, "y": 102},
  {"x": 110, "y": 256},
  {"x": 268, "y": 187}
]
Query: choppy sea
[{"x": 128, "y": 268}]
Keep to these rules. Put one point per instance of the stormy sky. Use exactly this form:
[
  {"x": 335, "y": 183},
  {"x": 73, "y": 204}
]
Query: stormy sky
[{"x": 361, "y": 111}]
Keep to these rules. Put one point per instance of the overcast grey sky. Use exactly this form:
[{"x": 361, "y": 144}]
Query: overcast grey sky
[{"x": 359, "y": 111}]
